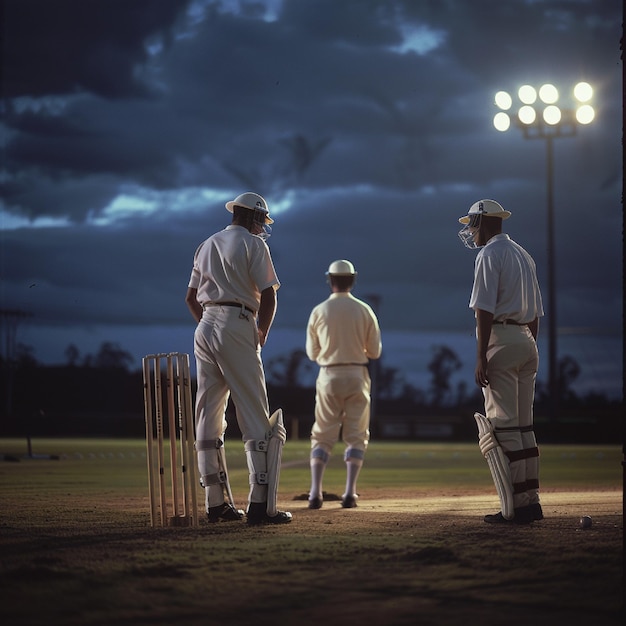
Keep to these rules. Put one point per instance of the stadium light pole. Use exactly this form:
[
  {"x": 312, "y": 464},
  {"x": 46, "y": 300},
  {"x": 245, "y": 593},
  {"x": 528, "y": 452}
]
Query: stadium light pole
[{"x": 539, "y": 116}]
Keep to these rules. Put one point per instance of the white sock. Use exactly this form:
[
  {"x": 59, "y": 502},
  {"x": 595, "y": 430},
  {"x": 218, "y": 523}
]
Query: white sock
[
  {"x": 317, "y": 473},
  {"x": 353, "y": 467}
]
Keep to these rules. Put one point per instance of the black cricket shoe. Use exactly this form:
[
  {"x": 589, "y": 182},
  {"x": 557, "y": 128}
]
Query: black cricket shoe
[
  {"x": 537, "y": 511},
  {"x": 224, "y": 513},
  {"x": 316, "y": 503},
  {"x": 257, "y": 515},
  {"x": 349, "y": 502},
  {"x": 497, "y": 518},
  {"x": 523, "y": 515}
]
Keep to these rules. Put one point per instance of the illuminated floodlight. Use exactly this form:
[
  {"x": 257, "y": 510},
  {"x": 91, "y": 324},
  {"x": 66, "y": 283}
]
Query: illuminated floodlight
[
  {"x": 527, "y": 115},
  {"x": 585, "y": 114},
  {"x": 548, "y": 94},
  {"x": 552, "y": 115},
  {"x": 583, "y": 92},
  {"x": 527, "y": 94},
  {"x": 502, "y": 121},
  {"x": 541, "y": 109},
  {"x": 504, "y": 100}
]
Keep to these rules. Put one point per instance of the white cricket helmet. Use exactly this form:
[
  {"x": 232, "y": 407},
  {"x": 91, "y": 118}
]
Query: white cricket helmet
[
  {"x": 485, "y": 207},
  {"x": 471, "y": 221},
  {"x": 252, "y": 201},
  {"x": 341, "y": 268}
]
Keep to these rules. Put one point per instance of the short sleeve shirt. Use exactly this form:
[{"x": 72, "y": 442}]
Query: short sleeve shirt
[
  {"x": 505, "y": 282},
  {"x": 343, "y": 329},
  {"x": 233, "y": 265}
]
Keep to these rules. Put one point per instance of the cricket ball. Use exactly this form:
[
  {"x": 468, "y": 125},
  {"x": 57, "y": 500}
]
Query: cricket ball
[{"x": 585, "y": 521}]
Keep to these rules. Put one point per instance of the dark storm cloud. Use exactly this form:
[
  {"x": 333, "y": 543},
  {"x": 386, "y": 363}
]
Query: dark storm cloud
[
  {"x": 375, "y": 150},
  {"x": 234, "y": 74},
  {"x": 230, "y": 98},
  {"x": 491, "y": 38},
  {"x": 61, "y": 47},
  {"x": 277, "y": 81}
]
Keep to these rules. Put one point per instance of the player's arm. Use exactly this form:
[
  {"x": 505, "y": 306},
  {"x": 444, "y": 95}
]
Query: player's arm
[
  {"x": 484, "y": 321},
  {"x": 191, "y": 300},
  {"x": 267, "y": 310},
  {"x": 373, "y": 346},
  {"x": 312, "y": 345}
]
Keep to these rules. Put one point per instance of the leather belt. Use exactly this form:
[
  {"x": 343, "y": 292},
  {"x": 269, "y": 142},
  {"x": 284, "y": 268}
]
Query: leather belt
[
  {"x": 346, "y": 365},
  {"x": 235, "y": 304},
  {"x": 512, "y": 322}
]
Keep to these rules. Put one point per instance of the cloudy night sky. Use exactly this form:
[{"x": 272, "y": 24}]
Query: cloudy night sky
[{"x": 367, "y": 126}]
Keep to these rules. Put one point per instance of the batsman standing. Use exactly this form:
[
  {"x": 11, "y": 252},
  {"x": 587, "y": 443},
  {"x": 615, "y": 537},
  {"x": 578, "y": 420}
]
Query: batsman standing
[
  {"x": 342, "y": 335},
  {"x": 232, "y": 296},
  {"x": 507, "y": 303}
]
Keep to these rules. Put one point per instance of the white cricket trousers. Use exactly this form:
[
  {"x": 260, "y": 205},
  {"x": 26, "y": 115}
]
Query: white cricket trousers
[
  {"x": 512, "y": 363},
  {"x": 228, "y": 362}
]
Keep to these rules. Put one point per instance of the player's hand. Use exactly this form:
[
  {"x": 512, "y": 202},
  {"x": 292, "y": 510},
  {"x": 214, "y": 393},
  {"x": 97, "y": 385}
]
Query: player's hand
[
  {"x": 262, "y": 337},
  {"x": 480, "y": 373}
]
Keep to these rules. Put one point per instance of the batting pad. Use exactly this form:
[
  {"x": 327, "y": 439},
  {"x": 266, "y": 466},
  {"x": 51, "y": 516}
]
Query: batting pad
[
  {"x": 498, "y": 464},
  {"x": 274, "y": 457},
  {"x": 221, "y": 455}
]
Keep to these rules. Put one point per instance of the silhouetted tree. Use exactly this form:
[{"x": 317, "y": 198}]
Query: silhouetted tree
[
  {"x": 25, "y": 356},
  {"x": 443, "y": 364},
  {"x": 569, "y": 371},
  {"x": 72, "y": 355},
  {"x": 112, "y": 356},
  {"x": 290, "y": 370},
  {"x": 390, "y": 383},
  {"x": 461, "y": 393}
]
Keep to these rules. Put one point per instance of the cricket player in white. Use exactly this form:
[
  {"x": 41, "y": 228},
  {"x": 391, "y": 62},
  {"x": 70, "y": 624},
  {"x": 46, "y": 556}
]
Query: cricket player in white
[
  {"x": 232, "y": 296},
  {"x": 507, "y": 303},
  {"x": 342, "y": 335}
]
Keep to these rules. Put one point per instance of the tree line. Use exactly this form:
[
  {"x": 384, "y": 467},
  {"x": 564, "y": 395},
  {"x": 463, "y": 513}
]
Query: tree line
[{"x": 103, "y": 391}]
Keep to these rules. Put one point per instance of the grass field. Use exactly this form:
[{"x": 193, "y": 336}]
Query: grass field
[{"x": 77, "y": 547}]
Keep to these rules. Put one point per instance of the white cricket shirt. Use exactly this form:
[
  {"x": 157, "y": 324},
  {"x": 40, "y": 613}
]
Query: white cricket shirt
[
  {"x": 505, "y": 282},
  {"x": 233, "y": 265}
]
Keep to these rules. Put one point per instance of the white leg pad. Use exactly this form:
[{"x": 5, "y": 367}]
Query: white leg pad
[
  {"x": 256, "y": 455},
  {"x": 498, "y": 464},
  {"x": 274, "y": 458},
  {"x": 213, "y": 471},
  {"x": 221, "y": 453}
]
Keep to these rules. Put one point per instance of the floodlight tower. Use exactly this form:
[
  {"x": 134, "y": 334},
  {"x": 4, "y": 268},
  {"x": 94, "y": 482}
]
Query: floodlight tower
[{"x": 539, "y": 116}]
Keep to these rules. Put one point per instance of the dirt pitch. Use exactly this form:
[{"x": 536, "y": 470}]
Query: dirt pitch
[{"x": 395, "y": 559}]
